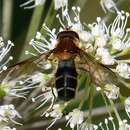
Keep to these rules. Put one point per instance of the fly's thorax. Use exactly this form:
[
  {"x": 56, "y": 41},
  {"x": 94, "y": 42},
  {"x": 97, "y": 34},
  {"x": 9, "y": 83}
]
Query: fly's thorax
[{"x": 66, "y": 49}]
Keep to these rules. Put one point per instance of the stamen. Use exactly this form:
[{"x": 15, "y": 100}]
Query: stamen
[
  {"x": 106, "y": 123},
  {"x": 26, "y": 3},
  {"x": 100, "y": 125},
  {"x": 36, "y": 3},
  {"x": 30, "y": 53},
  {"x": 62, "y": 24},
  {"x": 4, "y": 50},
  {"x": 113, "y": 124}
]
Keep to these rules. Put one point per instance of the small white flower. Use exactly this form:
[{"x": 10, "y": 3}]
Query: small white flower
[
  {"x": 56, "y": 114},
  {"x": 104, "y": 56},
  {"x": 7, "y": 128},
  {"x": 107, "y": 60},
  {"x": 97, "y": 29},
  {"x": 8, "y": 113},
  {"x": 85, "y": 36},
  {"x": 127, "y": 106},
  {"x": 118, "y": 44},
  {"x": 101, "y": 41},
  {"x": 98, "y": 88},
  {"x": 101, "y": 52},
  {"x": 106, "y": 124},
  {"x": 111, "y": 91},
  {"x": 60, "y": 4},
  {"x": 123, "y": 125},
  {"x": 124, "y": 70},
  {"x": 86, "y": 126},
  {"x": 108, "y": 5},
  {"x": 75, "y": 118},
  {"x": 38, "y": 35},
  {"x": 117, "y": 28},
  {"x": 39, "y": 2},
  {"x": 78, "y": 28}
]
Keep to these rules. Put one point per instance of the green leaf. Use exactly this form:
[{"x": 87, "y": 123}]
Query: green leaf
[{"x": 2, "y": 91}]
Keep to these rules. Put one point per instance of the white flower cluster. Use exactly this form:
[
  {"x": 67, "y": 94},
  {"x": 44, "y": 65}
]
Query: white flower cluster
[
  {"x": 107, "y": 5},
  {"x": 123, "y": 69},
  {"x": 19, "y": 87},
  {"x": 4, "y": 51},
  {"x": 75, "y": 118},
  {"x": 107, "y": 41},
  {"x": 49, "y": 94},
  {"x": 7, "y": 115},
  {"x": 41, "y": 44},
  {"x": 111, "y": 91}
]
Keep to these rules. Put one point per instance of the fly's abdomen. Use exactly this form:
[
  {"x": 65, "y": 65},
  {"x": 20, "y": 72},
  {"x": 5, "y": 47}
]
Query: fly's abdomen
[{"x": 66, "y": 79}]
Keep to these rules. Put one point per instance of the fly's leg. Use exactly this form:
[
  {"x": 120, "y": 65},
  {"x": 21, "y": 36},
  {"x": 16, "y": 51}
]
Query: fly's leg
[
  {"x": 49, "y": 53},
  {"x": 52, "y": 101},
  {"x": 53, "y": 98},
  {"x": 51, "y": 105}
]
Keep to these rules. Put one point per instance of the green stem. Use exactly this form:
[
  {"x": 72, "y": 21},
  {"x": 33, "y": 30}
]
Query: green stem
[
  {"x": 86, "y": 97},
  {"x": 50, "y": 17},
  {"x": 115, "y": 110},
  {"x": 7, "y": 18},
  {"x": 107, "y": 106},
  {"x": 91, "y": 96},
  {"x": 33, "y": 27}
]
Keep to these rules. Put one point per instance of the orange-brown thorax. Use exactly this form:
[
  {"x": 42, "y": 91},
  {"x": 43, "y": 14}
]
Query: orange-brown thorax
[{"x": 66, "y": 47}]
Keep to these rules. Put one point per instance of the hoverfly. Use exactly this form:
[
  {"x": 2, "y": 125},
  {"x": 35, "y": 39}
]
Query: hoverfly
[{"x": 71, "y": 58}]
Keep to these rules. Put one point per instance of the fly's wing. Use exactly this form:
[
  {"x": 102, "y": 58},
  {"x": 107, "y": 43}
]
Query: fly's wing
[
  {"x": 100, "y": 74},
  {"x": 28, "y": 67}
]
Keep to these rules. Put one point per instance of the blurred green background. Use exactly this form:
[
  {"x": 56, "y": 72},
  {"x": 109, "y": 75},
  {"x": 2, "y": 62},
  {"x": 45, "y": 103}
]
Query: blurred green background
[{"x": 20, "y": 26}]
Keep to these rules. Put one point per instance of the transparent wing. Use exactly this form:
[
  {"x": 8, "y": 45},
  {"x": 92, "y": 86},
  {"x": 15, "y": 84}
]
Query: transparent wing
[
  {"x": 100, "y": 74},
  {"x": 28, "y": 67}
]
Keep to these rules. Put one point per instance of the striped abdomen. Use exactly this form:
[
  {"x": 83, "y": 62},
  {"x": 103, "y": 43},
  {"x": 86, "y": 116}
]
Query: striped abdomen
[{"x": 66, "y": 79}]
